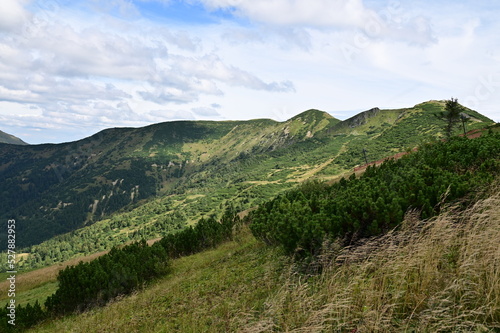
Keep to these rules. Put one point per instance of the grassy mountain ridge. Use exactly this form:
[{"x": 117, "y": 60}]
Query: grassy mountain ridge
[
  {"x": 128, "y": 183},
  {"x": 67, "y": 186}
]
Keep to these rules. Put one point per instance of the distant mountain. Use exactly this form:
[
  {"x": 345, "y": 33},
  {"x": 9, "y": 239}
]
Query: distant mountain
[
  {"x": 142, "y": 182},
  {"x": 11, "y": 139}
]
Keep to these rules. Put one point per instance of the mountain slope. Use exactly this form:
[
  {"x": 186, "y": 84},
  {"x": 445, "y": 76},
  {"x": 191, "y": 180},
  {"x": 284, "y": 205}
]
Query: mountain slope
[
  {"x": 375, "y": 265},
  {"x": 429, "y": 276},
  {"x": 161, "y": 177},
  {"x": 10, "y": 139},
  {"x": 66, "y": 186}
]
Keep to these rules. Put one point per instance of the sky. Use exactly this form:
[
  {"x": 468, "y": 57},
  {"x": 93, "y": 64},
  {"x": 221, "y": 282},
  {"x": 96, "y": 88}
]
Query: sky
[{"x": 69, "y": 69}]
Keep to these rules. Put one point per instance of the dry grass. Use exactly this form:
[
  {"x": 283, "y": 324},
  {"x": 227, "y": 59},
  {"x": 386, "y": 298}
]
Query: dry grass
[
  {"x": 441, "y": 275},
  {"x": 33, "y": 279}
]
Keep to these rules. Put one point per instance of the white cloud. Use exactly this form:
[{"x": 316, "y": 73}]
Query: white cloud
[
  {"x": 181, "y": 39},
  {"x": 237, "y": 36},
  {"x": 82, "y": 71},
  {"x": 12, "y": 15},
  {"x": 20, "y": 96},
  {"x": 66, "y": 52},
  {"x": 181, "y": 79},
  {"x": 212, "y": 67},
  {"x": 290, "y": 24},
  {"x": 205, "y": 112},
  {"x": 89, "y": 65},
  {"x": 318, "y": 13},
  {"x": 172, "y": 115},
  {"x": 162, "y": 95},
  {"x": 123, "y": 7}
]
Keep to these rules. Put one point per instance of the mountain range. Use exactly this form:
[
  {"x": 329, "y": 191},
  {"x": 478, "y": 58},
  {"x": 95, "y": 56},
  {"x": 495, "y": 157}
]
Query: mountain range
[{"x": 130, "y": 183}]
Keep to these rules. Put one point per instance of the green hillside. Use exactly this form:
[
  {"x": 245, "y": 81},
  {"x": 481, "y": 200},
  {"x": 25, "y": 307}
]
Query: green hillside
[
  {"x": 430, "y": 277},
  {"x": 10, "y": 139},
  {"x": 126, "y": 184},
  {"x": 434, "y": 268}
]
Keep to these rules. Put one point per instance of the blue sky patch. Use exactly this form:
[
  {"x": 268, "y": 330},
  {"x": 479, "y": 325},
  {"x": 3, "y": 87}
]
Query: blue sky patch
[{"x": 182, "y": 12}]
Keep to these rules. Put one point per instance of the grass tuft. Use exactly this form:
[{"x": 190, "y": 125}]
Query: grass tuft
[{"x": 438, "y": 275}]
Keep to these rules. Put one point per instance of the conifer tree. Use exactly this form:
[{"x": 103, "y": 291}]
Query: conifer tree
[{"x": 451, "y": 115}]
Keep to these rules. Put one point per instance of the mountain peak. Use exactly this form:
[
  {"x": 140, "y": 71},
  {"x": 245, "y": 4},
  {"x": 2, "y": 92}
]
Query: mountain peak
[
  {"x": 312, "y": 114},
  {"x": 438, "y": 106}
]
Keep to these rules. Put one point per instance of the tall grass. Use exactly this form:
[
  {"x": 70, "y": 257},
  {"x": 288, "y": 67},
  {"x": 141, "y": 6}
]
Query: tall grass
[
  {"x": 217, "y": 290},
  {"x": 439, "y": 275}
]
